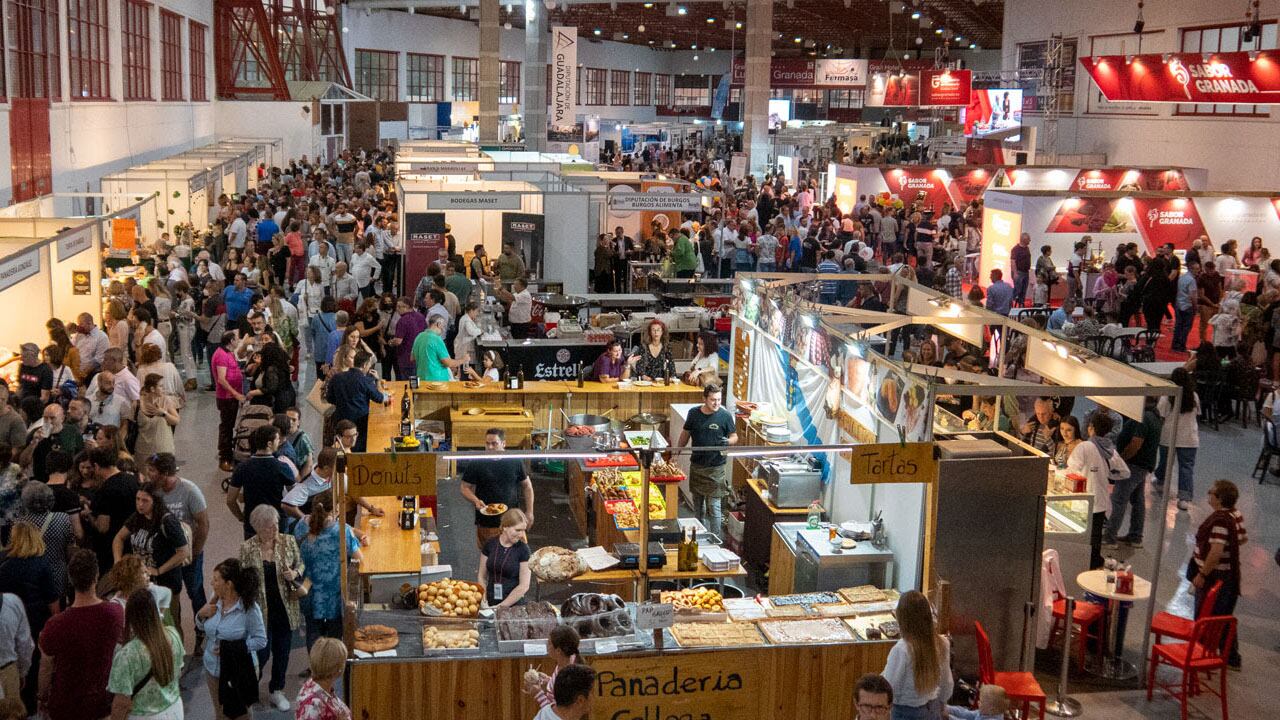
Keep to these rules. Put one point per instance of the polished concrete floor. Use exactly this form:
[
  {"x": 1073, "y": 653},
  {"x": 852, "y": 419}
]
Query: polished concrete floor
[{"x": 1226, "y": 453}]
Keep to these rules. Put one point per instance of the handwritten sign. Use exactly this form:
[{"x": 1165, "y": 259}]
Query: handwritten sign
[
  {"x": 385, "y": 474},
  {"x": 124, "y": 234},
  {"x": 652, "y": 616},
  {"x": 705, "y": 686},
  {"x": 893, "y": 463}
]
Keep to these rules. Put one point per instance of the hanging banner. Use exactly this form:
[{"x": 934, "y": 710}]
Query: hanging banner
[
  {"x": 1131, "y": 180},
  {"x": 423, "y": 244},
  {"x": 74, "y": 243},
  {"x": 564, "y": 69},
  {"x": 840, "y": 73},
  {"x": 124, "y": 234},
  {"x": 1168, "y": 220},
  {"x": 463, "y": 167},
  {"x": 900, "y": 89},
  {"x": 945, "y": 88},
  {"x": 801, "y": 73},
  {"x": 1233, "y": 77},
  {"x": 721, "y": 99},
  {"x": 524, "y": 232}
]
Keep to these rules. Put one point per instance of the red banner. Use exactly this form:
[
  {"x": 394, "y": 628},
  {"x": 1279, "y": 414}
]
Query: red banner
[
  {"x": 1234, "y": 77},
  {"x": 1092, "y": 215},
  {"x": 1168, "y": 220},
  {"x": 969, "y": 186},
  {"x": 909, "y": 184},
  {"x": 900, "y": 89},
  {"x": 1130, "y": 180},
  {"x": 945, "y": 88},
  {"x": 783, "y": 72}
]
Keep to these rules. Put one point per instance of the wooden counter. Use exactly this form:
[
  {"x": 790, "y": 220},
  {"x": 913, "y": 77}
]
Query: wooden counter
[
  {"x": 390, "y": 549},
  {"x": 775, "y": 682},
  {"x": 539, "y": 397}
]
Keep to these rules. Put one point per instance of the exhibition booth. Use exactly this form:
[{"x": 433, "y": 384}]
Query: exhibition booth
[
  {"x": 961, "y": 184},
  {"x": 188, "y": 184},
  {"x": 1061, "y": 219},
  {"x": 51, "y": 263},
  {"x": 827, "y": 423}
]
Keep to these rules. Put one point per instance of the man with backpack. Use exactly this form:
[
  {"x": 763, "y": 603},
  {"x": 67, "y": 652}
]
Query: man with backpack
[{"x": 187, "y": 503}]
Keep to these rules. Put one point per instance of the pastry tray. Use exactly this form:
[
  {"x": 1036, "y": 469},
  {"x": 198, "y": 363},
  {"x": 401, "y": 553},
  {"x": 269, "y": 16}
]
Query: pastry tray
[{"x": 816, "y": 630}]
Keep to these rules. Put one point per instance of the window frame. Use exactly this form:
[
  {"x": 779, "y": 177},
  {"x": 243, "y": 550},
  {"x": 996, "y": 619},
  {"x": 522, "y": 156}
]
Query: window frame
[
  {"x": 417, "y": 69},
  {"x": 1224, "y": 109},
  {"x": 508, "y": 82},
  {"x": 466, "y": 69},
  {"x": 135, "y": 50},
  {"x": 37, "y": 69},
  {"x": 88, "y": 50},
  {"x": 197, "y": 49},
  {"x": 662, "y": 90},
  {"x": 380, "y": 79},
  {"x": 596, "y": 86},
  {"x": 619, "y": 87},
  {"x": 642, "y": 92},
  {"x": 171, "y": 89}
]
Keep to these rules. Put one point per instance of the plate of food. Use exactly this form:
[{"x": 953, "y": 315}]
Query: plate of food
[
  {"x": 472, "y": 384},
  {"x": 493, "y": 509},
  {"x": 475, "y": 411},
  {"x": 434, "y": 385},
  {"x": 376, "y": 638},
  {"x": 644, "y": 383}
]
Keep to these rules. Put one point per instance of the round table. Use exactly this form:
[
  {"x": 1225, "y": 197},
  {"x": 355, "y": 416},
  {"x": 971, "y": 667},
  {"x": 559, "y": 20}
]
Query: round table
[{"x": 1094, "y": 582}]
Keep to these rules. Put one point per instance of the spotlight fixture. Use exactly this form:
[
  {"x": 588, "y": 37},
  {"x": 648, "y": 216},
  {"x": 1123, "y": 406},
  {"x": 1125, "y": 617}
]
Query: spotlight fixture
[
  {"x": 597, "y": 32},
  {"x": 640, "y": 27},
  {"x": 919, "y": 40},
  {"x": 695, "y": 58},
  {"x": 737, "y": 25},
  {"x": 973, "y": 46},
  {"x": 682, "y": 10},
  {"x": 798, "y": 39},
  {"x": 711, "y": 21},
  {"x": 1139, "y": 24},
  {"x": 915, "y": 15}
]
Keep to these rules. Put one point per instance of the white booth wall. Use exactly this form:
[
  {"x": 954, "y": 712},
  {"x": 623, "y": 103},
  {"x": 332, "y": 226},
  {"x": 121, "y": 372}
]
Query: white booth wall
[
  {"x": 567, "y": 240},
  {"x": 48, "y": 292},
  {"x": 470, "y": 227}
]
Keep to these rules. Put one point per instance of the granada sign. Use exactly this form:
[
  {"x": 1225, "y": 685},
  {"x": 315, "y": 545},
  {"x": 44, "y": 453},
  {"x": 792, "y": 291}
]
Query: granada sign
[
  {"x": 1234, "y": 77},
  {"x": 945, "y": 88}
]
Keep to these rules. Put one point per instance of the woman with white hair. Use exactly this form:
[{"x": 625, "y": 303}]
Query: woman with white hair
[
  {"x": 58, "y": 529},
  {"x": 276, "y": 557}
]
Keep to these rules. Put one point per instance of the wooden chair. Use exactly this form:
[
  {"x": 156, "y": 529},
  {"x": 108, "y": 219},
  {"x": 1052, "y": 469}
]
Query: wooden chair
[
  {"x": 1203, "y": 654},
  {"x": 1020, "y": 687}
]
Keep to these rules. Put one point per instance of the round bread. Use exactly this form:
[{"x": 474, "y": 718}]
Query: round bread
[{"x": 376, "y": 638}]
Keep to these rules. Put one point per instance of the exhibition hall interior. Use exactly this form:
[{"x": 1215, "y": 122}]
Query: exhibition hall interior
[{"x": 568, "y": 359}]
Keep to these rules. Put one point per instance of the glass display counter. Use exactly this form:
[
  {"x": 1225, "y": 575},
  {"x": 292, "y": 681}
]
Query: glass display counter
[{"x": 1068, "y": 510}]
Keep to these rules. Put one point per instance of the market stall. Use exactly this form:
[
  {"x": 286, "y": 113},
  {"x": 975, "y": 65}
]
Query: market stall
[{"x": 1060, "y": 219}]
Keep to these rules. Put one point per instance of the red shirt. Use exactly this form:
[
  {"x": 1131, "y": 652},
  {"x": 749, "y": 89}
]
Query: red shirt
[{"x": 82, "y": 641}]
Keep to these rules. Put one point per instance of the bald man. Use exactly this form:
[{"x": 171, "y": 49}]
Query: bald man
[{"x": 92, "y": 343}]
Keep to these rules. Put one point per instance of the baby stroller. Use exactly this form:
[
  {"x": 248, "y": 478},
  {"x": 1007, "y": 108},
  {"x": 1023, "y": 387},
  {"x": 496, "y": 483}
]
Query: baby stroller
[{"x": 249, "y": 418}]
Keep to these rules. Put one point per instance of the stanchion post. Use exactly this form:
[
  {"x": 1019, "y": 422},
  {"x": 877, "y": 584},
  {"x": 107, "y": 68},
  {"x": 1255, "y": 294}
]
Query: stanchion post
[{"x": 1063, "y": 705}]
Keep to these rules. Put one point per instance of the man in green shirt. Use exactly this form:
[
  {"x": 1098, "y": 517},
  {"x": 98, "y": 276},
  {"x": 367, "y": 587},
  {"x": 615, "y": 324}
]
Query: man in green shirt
[
  {"x": 684, "y": 256},
  {"x": 431, "y": 355},
  {"x": 509, "y": 265},
  {"x": 457, "y": 283}
]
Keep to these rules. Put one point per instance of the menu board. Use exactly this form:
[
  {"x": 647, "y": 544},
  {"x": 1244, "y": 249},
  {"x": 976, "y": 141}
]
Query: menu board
[{"x": 741, "y": 362}]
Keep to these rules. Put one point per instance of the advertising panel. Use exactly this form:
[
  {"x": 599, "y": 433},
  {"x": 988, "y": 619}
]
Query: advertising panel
[
  {"x": 1167, "y": 220},
  {"x": 840, "y": 73},
  {"x": 424, "y": 244},
  {"x": 1000, "y": 232},
  {"x": 900, "y": 89},
  {"x": 945, "y": 88},
  {"x": 919, "y": 183},
  {"x": 564, "y": 69},
  {"x": 801, "y": 73},
  {"x": 992, "y": 110},
  {"x": 1233, "y": 77},
  {"x": 779, "y": 113},
  {"x": 1091, "y": 215}
]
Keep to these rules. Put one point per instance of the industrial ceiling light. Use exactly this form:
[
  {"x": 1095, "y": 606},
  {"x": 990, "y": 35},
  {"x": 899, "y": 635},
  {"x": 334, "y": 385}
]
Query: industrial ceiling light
[
  {"x": 711, "y": 21},
  {"x": 640, "y": 27},
  {"x": 797, "y": 39},
  {"x": 597, "y": 32},
  {"x": 919, "y": 40},
  {"x": 682, "y": 10},
  {"x": 695, "y": 58},
  {"x": 737, "y": 25},
  {"x": 1139, "y": 24},
  {"x": 973, "y": 46}
]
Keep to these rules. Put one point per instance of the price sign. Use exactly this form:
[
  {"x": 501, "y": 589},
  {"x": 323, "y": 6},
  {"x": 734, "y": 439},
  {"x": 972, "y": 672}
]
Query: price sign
[
  {"x": 535, "y": 648},
  {"x": 655, "y": 615},
  {"x": 606, "y": 647}
]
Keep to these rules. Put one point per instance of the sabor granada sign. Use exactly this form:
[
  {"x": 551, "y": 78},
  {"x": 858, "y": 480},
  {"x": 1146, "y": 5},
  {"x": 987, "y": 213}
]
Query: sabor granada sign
[{"x": 1234, "y": 77}]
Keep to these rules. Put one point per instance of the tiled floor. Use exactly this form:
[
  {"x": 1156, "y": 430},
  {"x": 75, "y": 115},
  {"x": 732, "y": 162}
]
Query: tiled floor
[{"x": 1228, "y": 453}]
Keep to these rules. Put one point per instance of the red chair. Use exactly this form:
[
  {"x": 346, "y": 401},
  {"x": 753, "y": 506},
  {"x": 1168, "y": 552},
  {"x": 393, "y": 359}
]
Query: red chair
[
  {"x": 1177, "y": 627},
  {"x": 1086, "y": 621},
  {"x": 1202, "y": 654},
  {"x": 1020, "y": 687}
]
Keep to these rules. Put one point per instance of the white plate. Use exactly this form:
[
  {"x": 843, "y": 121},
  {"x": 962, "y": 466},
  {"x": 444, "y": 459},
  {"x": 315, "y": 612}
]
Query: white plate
[{"x": 643, "y": 383}]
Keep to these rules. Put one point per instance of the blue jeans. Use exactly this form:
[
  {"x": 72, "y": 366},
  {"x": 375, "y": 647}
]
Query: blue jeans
[
  {"x": 1186, "y": 471},
  {"x": 1020, "y": 280},
  {"x": 766, "y": 267},
  {"x": 1130, "y": 492},
  {"x": 279, "y": 644},
  {"x": 1182, "y": 322},
  {"x": 193, "y": 580},
  {"x": 1225, "y": 605}
]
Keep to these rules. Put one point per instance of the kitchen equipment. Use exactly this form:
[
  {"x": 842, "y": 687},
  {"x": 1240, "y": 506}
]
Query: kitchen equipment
[
  {"x": 665, "y": 531},
  {"x": 646, "y": 421},
  {"x": 598, "y": 423},
  {"x": 818, "y": 567},
  {"x": 629, "y": 554},
  {"x": 793, "y": 482}
]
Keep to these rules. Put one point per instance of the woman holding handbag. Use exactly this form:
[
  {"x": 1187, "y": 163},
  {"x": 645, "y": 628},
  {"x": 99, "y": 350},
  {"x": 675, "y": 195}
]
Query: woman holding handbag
[{"x": 276, "y": 558}]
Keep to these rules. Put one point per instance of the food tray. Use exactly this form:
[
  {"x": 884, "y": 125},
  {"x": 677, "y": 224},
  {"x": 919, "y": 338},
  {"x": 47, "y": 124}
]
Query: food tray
[
  {"x": 691, "y": 635},
  {"x": 863, "y": 594},
  {"x": 836, "y": 611},
  {"x": 744, "y": 609},
  {"x": 861, "y": 624},
  {"x": 813, "y": 598},
  {"x": 786, "y": 611},
  {"x": 459, "y": 632},
  {"x": 879, "y": 608},
  {"x": 798, "y": 632},
  {"x": 614, "y": 460},
  {"x": 640, "y": 439}
]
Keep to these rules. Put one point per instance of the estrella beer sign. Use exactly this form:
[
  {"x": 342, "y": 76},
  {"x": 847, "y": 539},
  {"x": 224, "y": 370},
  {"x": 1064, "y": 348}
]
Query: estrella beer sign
[{"x": 1234, "y": 77}]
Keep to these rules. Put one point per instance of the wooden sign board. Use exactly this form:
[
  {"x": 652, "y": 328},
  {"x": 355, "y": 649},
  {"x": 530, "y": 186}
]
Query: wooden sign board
[
  {"x": 893, "y": 463},
  {"x": 387, "y": 474},
  {"x": 709, "y": 686}
]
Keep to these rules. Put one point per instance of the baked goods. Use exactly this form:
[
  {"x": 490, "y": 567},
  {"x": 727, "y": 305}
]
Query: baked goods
[
  {"x": 813, "y": 598},
  {"x": 455, "y": 598},
  {"x": 695, "y": 599},
  {"x": 533, "y": 621},
  {"x": 663, "y": 469},
  {"x": 555, "y": 564},
  {"x": 836, "y": 611},
  {"x": 493, "y": 509},
  {"x": 434, "y": 638},
  {"x": 799, "y": 632},
  {"x": 786, "y": 611},
  {"x": 715, "y": 634},
  {"x": 376, "y": 638},
  {"x": 594, "y": 615},
  {"x": 627, "y": 517},
  {"x": 744, "y": 609},
  {"x": 863, "y": 594}
]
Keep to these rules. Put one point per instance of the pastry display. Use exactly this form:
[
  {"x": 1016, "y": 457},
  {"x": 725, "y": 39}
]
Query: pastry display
[
  {"x": 555, "y": 564},
  {"x": 799, "y": 632},
  {"x": 376, "y": 638},
  {"x": 627, "y": 517},
  {"x": 434, "y": 638},
  {"x": 533, "y": 621},
  {"x": 863, "y": 594},
  {"x": 813, "y": 598},
  {"x": 786, "y": 611},
  {"x": 836, "y": 611},
  {"x": 594, "y": 615},
  {"x": 744, "y": 609},
  {"x": 694, "y": 599},
  {"x": 455, "y": 598},
  {"x": 715, "y": 634}
]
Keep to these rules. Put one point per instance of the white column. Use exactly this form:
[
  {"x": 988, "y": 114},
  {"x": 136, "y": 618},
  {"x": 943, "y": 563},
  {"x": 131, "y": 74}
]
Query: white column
[
  {"x": 490, "y": 36},
  {"x": 534, "y": 100},
  {"x": 755, "y": 89}
]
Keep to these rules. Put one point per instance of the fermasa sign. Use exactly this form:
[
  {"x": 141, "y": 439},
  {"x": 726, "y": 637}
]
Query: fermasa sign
[
  {"x": 893, "y": 463},
  {"x": 701, "y": 686},
  {"x": 387, "y": 474}
]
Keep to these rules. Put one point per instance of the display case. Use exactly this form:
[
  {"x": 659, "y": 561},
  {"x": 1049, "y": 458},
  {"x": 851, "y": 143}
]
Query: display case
[{"x": 1068, "y": 505}]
